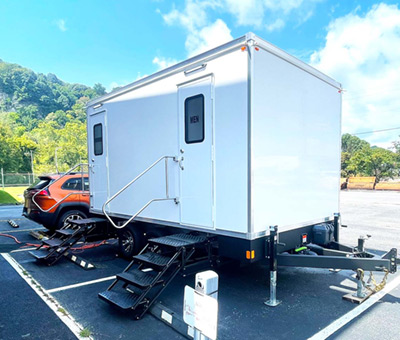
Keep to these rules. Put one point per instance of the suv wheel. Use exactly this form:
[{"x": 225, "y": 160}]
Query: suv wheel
[{"x": 68, "y": 216}]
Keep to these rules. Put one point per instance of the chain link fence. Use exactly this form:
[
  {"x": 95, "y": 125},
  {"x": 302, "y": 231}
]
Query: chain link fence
[{"x": 14, "y": 179}]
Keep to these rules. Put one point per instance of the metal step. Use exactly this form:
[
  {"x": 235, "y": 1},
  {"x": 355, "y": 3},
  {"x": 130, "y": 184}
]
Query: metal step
[
  {"x": 87, "y": 221},
  {"x": 40, "y": 254},
  {"x": 138, "y": 278},
  {"x": 53, "y": 242},
  {"x": 153, "y": 259},
  {"x": 124, "y": 300},
  {"x": 179, "y": 240},
  {"x": 65, "y": 232}
]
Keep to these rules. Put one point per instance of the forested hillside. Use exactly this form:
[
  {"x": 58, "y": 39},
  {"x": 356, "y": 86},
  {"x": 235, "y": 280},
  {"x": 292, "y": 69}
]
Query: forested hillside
[{"x": 40, "y": 113}]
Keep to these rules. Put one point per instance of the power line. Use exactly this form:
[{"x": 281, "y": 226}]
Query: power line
[{"x": 362, "y": 133}]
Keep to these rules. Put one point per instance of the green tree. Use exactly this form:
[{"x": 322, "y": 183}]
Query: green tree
[
  {"x": 13, "y": 149},
  {"x": 350, "y": 145},
  {"x": 396, "y": 147},
  {"x": 99, "y": 89},
  {"x": 69, "y": 140},
  {"x": 374, "y": 161}
]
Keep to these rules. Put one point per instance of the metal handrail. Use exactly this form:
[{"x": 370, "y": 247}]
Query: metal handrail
[
  {"x": 167, "y": 198},
  {"x": 71, "y": 193}
]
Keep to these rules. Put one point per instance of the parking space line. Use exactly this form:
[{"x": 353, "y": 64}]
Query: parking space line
[
  {"x": 14, "y": 219},
  {"x": 76, "y": 285},
  {"x": 21, "y": 230},
  {"x": 24, "y": 249},
  {"x": 50, "y": 301},
  {"x": 345, "y": 319}
]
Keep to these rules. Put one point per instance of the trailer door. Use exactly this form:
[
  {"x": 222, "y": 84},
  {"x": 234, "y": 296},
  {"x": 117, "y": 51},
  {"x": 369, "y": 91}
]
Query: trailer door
[
  {"x": 98, "y": 179},
  {"x": 196, "y": 150}
]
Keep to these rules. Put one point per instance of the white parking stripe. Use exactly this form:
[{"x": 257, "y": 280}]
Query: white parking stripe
[
  {"x": 345, "y": 319},
  {"x": 50, "y": 301},
  {"x": 20, "y": 230},
  {"x": 81, "y": 284},
  {"x": 23, "y": 249}
]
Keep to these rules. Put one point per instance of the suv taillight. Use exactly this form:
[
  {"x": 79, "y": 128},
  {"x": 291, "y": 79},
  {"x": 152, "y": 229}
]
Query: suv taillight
[{"x": 44, "y": 192}]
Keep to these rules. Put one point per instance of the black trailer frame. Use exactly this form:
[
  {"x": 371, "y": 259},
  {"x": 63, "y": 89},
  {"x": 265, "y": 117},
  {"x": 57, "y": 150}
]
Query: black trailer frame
[{"x": 333, "y": 255}]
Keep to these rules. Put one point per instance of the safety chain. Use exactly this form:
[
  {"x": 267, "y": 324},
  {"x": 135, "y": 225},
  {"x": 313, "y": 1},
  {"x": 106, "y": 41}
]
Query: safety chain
[{"x": 377, "y": 286}]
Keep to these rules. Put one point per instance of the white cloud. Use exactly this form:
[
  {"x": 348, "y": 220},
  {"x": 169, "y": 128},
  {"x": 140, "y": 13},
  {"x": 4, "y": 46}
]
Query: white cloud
[
  {"x": 276, "y": 25},
  {"x": 208, "y": 37},
  {"x": 61, "y": 24},
  {"x": 114, "y": 85},
  {"x": 362, "y": 52},
  {"x": 162, "y": 62},
  {"x": 271, "y": 15},
  {"x": 202, "y": 35},
  {"x": 247, "y": 13}
]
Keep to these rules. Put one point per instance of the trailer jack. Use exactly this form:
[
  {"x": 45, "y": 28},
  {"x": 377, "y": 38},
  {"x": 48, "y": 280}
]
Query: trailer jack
[{"x": 272, "y": 252}]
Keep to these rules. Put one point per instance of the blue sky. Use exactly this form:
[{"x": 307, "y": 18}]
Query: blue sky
[{"x": 115, "y": 42}]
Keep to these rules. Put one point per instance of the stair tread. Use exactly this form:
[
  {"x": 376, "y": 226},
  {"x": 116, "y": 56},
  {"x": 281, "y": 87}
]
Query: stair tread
[
  {"x": 66, "y": 232},
  {"x": 153, "y": 258},
  {"x": 179, "y": 240},
  {"x": 85, "y": 221},
  {"x": 124, "y": 300},
  {"x": 137, "y": 277},
  {"x": 40, "y": 254},
  {"x": 53, "y": 242}
]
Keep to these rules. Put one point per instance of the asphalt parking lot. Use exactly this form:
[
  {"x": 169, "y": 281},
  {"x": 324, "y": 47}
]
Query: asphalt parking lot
[{"x": 311, "y": 298}]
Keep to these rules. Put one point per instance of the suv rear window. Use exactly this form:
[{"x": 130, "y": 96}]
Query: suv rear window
[
  {"x": 76, "y": 184},
  {"x": 41, "y": 184}
]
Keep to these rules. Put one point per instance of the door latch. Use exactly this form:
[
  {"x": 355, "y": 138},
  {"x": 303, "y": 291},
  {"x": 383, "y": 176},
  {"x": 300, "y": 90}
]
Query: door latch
[{"x": 180, "y": 161}]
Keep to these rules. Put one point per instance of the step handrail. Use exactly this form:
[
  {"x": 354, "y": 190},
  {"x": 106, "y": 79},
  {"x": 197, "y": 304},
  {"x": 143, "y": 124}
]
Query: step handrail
[
  {"x": 69, "y": 194},
  {"x": 167, "y": 198}
]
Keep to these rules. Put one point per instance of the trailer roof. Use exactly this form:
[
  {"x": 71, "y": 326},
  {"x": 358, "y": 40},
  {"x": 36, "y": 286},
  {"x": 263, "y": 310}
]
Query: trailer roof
[{"x": 249, "y": 38}]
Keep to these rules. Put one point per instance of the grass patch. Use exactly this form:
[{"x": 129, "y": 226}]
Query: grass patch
[
  {"x": 62, "y": 310},
  {"x": 6, "y": 198},
  {"x": 12, "y": 195},
  {"x": 85, "y": 333}
]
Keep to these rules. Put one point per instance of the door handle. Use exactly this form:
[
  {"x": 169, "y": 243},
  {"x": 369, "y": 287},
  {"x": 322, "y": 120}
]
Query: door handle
[{"x": 181, "y": 163}]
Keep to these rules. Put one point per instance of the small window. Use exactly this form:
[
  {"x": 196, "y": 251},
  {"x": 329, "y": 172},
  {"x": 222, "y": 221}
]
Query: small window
[
  {"x": 86, "y": 183},
  {"x": 194, "y": 119},
  {"x": 76, "y": 184},
  {"x": 98, "y": 139}
]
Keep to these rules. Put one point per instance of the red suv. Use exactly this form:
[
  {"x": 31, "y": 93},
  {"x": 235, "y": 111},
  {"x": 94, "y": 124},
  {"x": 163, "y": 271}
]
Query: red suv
[{"x": 68, "y": 190}]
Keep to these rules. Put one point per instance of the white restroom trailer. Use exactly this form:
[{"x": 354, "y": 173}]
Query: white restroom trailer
[{"x": 251, "y": 137}]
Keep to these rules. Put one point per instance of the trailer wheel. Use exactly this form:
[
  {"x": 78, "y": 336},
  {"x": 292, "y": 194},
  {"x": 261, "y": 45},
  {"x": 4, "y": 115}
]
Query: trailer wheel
[{"x": 129, "y": 242}]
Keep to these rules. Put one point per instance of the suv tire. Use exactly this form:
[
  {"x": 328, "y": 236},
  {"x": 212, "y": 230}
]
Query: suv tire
[{"x": 70, "y": 215}]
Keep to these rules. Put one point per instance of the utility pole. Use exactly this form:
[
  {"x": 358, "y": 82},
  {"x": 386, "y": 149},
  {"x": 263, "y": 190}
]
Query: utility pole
[
  {"x": 56, "y": 159},
  {"x": 2, "y": 178},
  {"x": 31, "y": 154},
  {"x": 33, "y": 176}
]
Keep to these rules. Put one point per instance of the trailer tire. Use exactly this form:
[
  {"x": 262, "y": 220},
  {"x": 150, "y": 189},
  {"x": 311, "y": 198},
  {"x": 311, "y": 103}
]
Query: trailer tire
[{"x": 130, "y": 242}]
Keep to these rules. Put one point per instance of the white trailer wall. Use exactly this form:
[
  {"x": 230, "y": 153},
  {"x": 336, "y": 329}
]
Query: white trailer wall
[
  {"x": 295, "y": 144},
  {"x": 272, "y": 116},
  {"x": 143, "y": 125}
]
